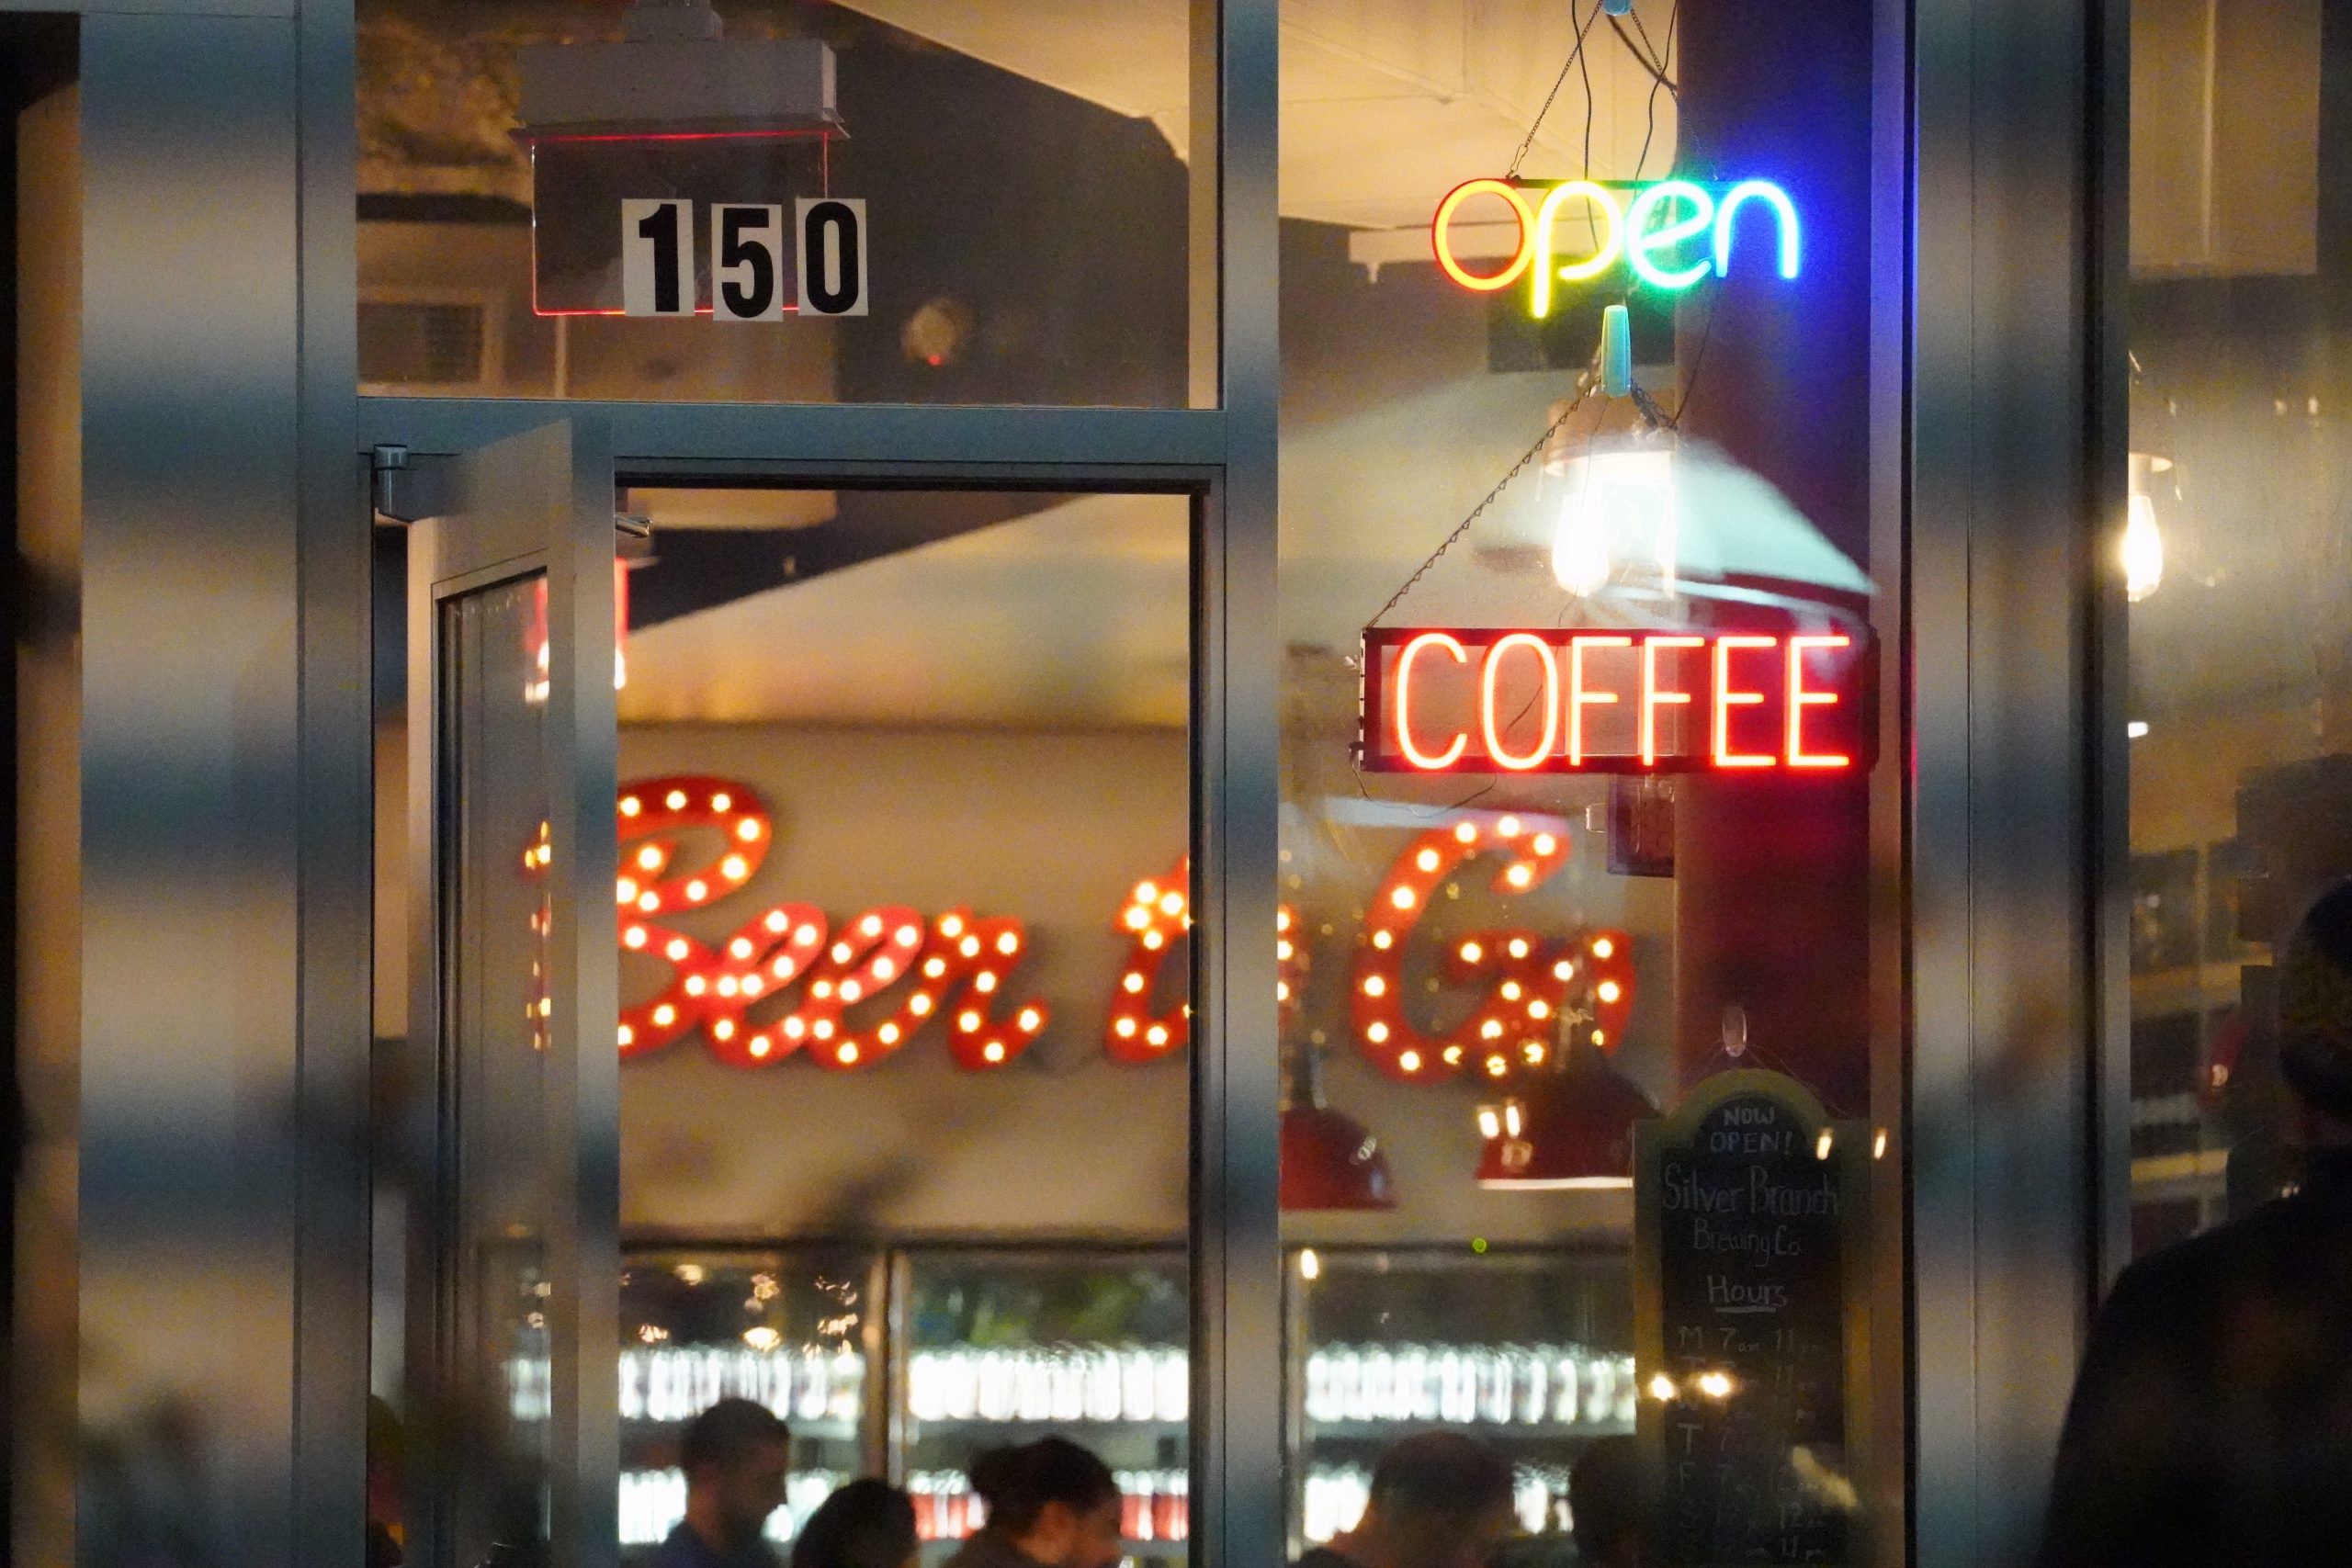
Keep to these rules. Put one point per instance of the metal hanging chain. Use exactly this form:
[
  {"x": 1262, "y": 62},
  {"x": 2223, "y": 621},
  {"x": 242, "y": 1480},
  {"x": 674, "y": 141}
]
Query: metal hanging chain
[
  {"x": 1584, "y": 390},
  {"x": 1645, "y": 56},
  {"x": 1574, "y": 54},
  {"x": 1646, "y": 406}
]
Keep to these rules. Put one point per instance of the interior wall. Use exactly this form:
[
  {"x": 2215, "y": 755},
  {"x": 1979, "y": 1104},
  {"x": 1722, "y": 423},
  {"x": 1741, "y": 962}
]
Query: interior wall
[{"x": 1054, "y": 828}]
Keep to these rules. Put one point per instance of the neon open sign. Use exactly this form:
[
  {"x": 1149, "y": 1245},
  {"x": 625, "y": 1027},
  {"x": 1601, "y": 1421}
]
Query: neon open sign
[
  {"x": 1489, "y": 700},
  {"x": 1668, "y": 234}
]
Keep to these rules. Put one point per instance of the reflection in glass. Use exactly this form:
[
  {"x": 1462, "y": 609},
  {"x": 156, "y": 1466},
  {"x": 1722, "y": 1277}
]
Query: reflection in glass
[
  {"x": 495, "y": 921},
  {"x": 2236, "y": 559},
  {"x": 1026, "y": 171},
  {"x": 788, "y": 1330},
  {"x": 906, "y": 975},
  {"x": 1509, "y": 962}
]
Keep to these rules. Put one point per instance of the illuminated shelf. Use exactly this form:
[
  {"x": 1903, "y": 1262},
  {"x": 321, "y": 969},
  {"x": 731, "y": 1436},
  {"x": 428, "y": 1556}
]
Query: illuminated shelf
[
  {"x": 1494, "y": 1431},
  {"x": 830, "y": 1427},
  {"x": 1042, "y": 1423}
]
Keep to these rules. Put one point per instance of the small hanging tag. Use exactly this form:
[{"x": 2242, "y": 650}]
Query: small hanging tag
[{"x": 1616, "y": 352}]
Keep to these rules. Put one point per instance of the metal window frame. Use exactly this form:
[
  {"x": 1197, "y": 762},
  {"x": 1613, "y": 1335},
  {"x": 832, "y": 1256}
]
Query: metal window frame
[
  {"x": 2005, "y": 471},
  {"x": 2011, "y": 476}
]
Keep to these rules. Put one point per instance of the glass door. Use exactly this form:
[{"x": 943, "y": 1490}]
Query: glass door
[{"x": 511, "y": 1108}]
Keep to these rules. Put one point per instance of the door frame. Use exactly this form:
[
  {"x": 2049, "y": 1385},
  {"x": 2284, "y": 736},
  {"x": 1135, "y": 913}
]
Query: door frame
[
  {"x": 1224, "y": 455},
  {"x": 1236, "y": 1090}
]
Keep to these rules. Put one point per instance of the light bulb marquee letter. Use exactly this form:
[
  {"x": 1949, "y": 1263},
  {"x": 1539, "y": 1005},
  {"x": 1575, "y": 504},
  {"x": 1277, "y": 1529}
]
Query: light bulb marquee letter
[
  {"x": 1666, "y": 234},
  {"x": 1527, "y": 979},
  {"x": 1747, "y": 703},
  {"x": 864, "y": 990}
]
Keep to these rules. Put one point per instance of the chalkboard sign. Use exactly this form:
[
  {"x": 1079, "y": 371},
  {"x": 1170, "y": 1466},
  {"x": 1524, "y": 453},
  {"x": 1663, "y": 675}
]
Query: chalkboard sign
[{"x": 1750, "y": 1226}]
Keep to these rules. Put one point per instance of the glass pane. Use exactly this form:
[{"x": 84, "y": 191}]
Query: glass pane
[
  {"x": 1538, "y": 1343},
  {"x": 2235, "y": 553},
  {"x": 495, "y": 921},
  {"x": 792, "y": 1331},
  {"x": 1077, "y": 1341},
  {"x": 1582, "y": 598},
  {"x": 906, "y": 804},
  {"x": 1025, "y": 167}
]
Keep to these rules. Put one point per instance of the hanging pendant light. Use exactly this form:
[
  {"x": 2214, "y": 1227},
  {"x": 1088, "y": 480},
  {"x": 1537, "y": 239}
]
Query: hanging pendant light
[
  {"x": 2144, "y": 542},
  {"x": 1329, "y": 1159},
  {"x": 1615, "y": 519},
  {"x": 1572, "y": 1127}
]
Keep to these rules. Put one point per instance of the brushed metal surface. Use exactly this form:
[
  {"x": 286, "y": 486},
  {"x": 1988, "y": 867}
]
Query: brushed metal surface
[
  {"x": 2002, "y": 860},
  {"x": 1237, "y": 1232},
  {"x": 535, "y": 506},
  {"x": 189, "y": 1132},
  {"x": 818, "y": 432},
  {"x": 327, "y": 1490}
]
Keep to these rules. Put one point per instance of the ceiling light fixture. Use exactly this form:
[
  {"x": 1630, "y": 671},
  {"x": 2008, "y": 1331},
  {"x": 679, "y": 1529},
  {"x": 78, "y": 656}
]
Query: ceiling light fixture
[
  {"x": 1329, "y": 1159},
  {"x": 1571, "y": 1129}
]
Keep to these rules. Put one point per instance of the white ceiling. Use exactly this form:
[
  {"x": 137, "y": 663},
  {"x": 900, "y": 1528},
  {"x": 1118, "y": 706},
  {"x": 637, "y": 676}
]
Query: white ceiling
[
  {"x": 1077, "y": 616},
  {"x": 1386, "y": 105}
]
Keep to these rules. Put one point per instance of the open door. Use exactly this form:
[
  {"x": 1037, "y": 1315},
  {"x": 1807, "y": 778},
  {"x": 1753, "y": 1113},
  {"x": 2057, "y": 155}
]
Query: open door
[{"x": 513, "y": 1112}]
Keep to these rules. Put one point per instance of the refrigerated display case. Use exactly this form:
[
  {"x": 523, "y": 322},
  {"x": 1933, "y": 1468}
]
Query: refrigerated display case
[
  {"x": 796, "y": 1330},
  {"x": 1531, "y": 1349},
  {"x": 1000, "y": 1346},
  {"x": 911, "y": 1362}
]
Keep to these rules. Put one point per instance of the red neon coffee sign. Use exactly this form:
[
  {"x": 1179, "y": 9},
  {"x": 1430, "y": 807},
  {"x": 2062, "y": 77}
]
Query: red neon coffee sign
[{"x": 1553, "y": 700}]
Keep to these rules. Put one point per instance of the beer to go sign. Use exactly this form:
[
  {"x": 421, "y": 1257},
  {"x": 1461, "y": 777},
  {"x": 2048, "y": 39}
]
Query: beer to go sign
[{"x": 1553, "y": 700}]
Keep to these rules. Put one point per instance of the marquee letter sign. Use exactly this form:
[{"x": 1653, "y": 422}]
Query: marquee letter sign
[
  {"x": 1667, "y": 233},
  {"x": 1554, "y": 700},
  {"x": 787, "y": 982},
  {"x": 1525, "y": 977},
  {"x": 953, "y": 968}
]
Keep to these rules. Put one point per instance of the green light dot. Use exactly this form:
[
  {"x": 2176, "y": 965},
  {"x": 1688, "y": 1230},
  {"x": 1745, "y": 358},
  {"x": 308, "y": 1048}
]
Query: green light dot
[{"x": 1477, "y": 1244}]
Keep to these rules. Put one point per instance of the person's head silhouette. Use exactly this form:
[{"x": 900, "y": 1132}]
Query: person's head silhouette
[
  {"x": 864, "y": 1524},
  {"x": 1605, "y": 1504},
  {"x": 2315, "y": 1017},
  {"x": 1439, "y": 1500}
]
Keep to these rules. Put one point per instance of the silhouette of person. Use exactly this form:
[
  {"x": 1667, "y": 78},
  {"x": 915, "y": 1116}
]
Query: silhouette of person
[
  {"x": 2212, "y": 1420},
  {"x": 736, "y": 1456},
  {"x": 1052, "y": 1504},
  {"x": 864, "y": 1524},
  {"x": 1605, "y": 1504},
  {"x": 1439, "y": 1500}
]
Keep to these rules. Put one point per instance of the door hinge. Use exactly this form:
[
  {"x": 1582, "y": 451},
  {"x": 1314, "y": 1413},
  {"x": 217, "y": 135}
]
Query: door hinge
[{"x": 408, "y": 491}]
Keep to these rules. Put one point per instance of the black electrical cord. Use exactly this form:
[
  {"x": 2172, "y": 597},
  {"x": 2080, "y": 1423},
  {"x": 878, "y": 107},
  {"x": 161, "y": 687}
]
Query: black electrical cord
[
  {"x": 1576, "y": 53},
  {"x": 1659, "y": 79}
]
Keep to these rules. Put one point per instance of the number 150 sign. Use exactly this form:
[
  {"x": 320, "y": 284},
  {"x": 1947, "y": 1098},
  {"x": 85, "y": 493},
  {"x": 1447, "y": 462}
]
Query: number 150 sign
[{"x": 749, "y": 253}]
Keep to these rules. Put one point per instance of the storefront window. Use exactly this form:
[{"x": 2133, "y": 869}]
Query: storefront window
[
  {"x": 1020, "y": 175},
  {"x": 2238, "y": 565},
  {"x": 789, "y": 1329},
  {"x": 905, "y": 779},
  {"x": 1587, "y": 1124}
]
